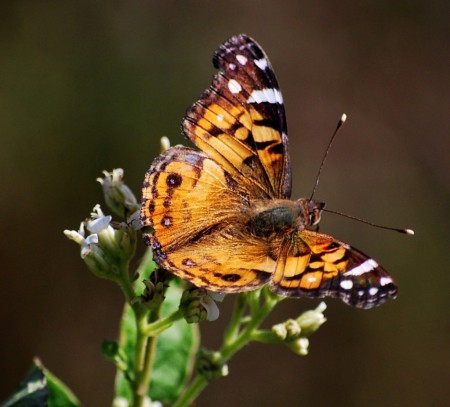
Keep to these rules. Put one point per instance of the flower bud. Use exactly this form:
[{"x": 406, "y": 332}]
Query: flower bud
[
  {"x": 300, "y": 346},
  {"x": 310, "y": 321},
  {"x": 164, "y": 144},
  {"x": 118, "y": 196},
  {"x": 198, "y": 304}
]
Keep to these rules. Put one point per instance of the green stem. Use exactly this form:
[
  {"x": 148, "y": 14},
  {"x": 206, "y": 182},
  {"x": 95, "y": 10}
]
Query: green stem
[
  {"x": 228, "y": 350},
  {"x": 236, "y": 320},
  {"x": 192, "y": 392},
  {"x": 127, "y": 287},
  {"x": 140, "y": 348},
  {"x": 144, "y": 357},
  {"x": 233, "y": 340},
  {"x": 160, "y": 325},
  {"x": 142, "y": 388},
  {"x": 264, "y": 336}
]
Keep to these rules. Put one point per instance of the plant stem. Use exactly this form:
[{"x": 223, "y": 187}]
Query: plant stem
[
  {"x": 148, "y": 366},
  {"x": 145, "y": 352},
  {"x": 127, "y": 288},
  {"x": 162, "y": 324},
  {"x": 234, "y": 340},
  {"x": 245, "y": 336},
  {"x": 192, "y": 392},
  {"x": 236, "y": 320}
]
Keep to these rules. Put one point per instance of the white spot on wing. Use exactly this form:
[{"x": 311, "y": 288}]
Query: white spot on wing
[
  {"x": 363, "y": 268},
  {"x": 241, "y": 59},
  {"x": 232, "y": 67},
  {"x": 346, "y": 284},
  {"x": 311, "y": 279},
  {"x": 266, "y": 95},
  {"x": 219, "y": 117},
  {"x": 261, "y": 63},
  {"x": 373, "y": 290},
  {"x": 385, "y": 280},
  {"x": 234, "y": 86}
]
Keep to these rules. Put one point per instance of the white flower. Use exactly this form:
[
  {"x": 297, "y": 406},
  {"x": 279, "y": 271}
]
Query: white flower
[
  {"x": 106, "y": 248},
  {"x": 86, "y": 247},
  {"x": 118, "y": 196},
  {"x": 99, "y": 221},
  {"x": 85, "y": 242}
]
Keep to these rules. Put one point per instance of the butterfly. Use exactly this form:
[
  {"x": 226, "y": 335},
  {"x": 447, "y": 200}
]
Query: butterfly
[{"x": 221, "y": 215}]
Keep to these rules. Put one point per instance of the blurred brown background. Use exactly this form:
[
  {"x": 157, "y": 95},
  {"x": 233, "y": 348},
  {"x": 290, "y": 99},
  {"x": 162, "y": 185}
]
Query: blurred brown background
[{"x": 87, "y": 86}]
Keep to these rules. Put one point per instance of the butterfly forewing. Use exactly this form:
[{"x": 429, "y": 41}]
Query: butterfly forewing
[{"x": 240, "y": 122}]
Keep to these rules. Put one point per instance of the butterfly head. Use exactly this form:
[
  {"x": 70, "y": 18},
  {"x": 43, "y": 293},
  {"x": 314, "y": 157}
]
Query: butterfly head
[{"x": 312, "y": 211}]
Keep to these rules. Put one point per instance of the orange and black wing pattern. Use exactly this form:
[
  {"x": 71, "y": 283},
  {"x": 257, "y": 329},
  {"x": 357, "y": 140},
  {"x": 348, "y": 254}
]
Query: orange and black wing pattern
[
  {"x": 316, "y": 265},
  {"x": 196, "y": 211},
  {"x": 240, "y": 122},
  {"x": 222, "y": 217}
]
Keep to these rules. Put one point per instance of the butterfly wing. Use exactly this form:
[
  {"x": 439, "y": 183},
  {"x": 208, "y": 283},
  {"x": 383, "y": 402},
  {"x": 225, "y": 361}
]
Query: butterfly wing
[
  {"x": 240, "y": 120},
  {"x": 317, "y": 265},
  {"x": 196, "y": 211}
]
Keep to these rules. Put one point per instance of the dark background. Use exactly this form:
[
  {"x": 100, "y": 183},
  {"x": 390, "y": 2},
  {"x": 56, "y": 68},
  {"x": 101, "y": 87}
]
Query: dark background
[{"x": 87, "y": 86}]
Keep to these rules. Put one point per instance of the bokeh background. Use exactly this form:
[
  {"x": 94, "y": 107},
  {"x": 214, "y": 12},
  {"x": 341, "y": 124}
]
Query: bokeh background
[{"x": 87, "y": 86}]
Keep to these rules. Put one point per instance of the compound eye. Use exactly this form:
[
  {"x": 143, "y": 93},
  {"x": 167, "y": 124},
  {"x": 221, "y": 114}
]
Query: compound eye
[{"x": 315, "y": 217}]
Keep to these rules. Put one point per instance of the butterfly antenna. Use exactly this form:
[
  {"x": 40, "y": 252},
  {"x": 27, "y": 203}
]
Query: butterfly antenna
[
  {"x": 404, "y": 231},
  {"x": 342, "y": 120}
]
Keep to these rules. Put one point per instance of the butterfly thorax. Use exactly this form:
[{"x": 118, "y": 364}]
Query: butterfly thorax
[{"x": 277, "y": 216}]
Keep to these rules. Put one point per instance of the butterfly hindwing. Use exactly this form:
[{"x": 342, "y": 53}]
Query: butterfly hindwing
[
  {"x": 317, "y": 265},
  {"x": 196, "y": 211},
  {"x": 240, "y": 121}
]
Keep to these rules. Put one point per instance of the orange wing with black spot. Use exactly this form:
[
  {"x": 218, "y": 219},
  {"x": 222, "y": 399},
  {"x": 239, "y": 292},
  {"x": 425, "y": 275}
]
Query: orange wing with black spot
[
  {"x": 197, "y": 211},
  {"x": 240, "y": 122}
]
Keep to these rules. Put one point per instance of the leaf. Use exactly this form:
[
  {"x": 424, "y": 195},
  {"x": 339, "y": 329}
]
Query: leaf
[
  {"x": 59, "y": 394},
  {"x": 41, "y": 388},
  {"x": 175, "y": 350},
  {"x": 32, "y": 391}
]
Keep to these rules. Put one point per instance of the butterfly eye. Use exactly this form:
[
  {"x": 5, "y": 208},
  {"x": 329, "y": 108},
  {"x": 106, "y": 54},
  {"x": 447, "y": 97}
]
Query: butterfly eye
[
  {"x": 314, "y": 217},
  {"x": 315, "y": 211}
]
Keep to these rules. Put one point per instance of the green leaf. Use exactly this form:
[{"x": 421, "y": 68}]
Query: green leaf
[
  {"x": 41, "y": 388},
  {"x": 32, "y": 391},
  {"x": 175, "y": 352},
  {"x": 59, "y": 394}
]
